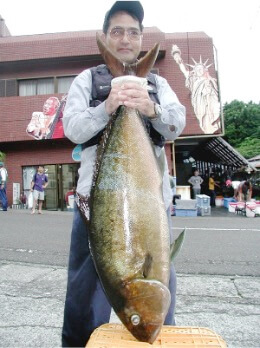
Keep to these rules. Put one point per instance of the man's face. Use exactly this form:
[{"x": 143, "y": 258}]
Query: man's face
[
  {"x": 124, "y": 48},
  {"x": 40, "y": 170},
  {"x": 49, "y": 107}
]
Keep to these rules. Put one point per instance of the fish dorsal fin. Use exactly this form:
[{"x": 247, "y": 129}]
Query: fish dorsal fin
[
  {"x": 102, "y": 145},
  {"x": 118, "y": 68}
]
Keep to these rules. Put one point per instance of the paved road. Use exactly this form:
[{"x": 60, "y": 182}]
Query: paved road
[
  {"x": 218, "y": 277},
  {"x": 223, "y": 244}
]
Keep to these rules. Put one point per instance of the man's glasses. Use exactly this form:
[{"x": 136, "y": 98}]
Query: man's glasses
[{"x": 118, "y": 33}]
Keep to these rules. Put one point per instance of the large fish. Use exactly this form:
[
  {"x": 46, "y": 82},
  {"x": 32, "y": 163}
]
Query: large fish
[{"x": 129, "y": 238}]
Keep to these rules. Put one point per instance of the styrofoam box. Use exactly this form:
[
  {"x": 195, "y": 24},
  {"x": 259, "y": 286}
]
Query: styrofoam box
[
  {"x": 219, "y": 201},
  {"x": 249, "y": 212},
  {"x": 204, "y": 211},
  {"x": 186, "y": 212},
  {"x": 232, "y": 207},
  {"x": 257, "y": 210},
  {"x": 203, "y": 200},
  {"x": 251, "y": 208}
]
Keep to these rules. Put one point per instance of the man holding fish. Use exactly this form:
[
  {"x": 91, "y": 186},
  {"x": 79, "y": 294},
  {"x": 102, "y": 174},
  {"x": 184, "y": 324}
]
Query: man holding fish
[{"x": 112, "y": 183}]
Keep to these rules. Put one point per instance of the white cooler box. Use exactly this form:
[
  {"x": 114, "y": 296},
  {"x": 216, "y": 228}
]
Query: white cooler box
[{"x": 232, "y": 207}]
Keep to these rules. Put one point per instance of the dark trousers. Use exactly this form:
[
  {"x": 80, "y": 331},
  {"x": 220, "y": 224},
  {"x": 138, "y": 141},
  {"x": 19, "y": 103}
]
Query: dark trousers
[
  {"x": 3, "y": 199},
  {"x": 212, "y": 194},
  {"x": 86, "y": 306}
]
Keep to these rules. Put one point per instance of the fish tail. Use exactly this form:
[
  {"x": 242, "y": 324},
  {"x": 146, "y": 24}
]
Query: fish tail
[{"x": 119, "y": 68}]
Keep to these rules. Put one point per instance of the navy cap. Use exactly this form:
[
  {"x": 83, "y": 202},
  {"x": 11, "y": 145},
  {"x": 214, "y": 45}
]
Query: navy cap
[{"x": 133, "y": 7}]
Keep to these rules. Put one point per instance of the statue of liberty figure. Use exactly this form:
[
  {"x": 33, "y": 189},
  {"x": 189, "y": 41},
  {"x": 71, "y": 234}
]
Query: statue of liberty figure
[{"x": 204, "y": 92}]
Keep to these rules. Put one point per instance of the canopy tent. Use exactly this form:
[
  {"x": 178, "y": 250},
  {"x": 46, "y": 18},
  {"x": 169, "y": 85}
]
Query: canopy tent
[{"x": 218, "y": 151}]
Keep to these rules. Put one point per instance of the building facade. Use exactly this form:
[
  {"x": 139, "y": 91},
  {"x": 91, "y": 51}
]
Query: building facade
[{"x": 35, "y": 74}]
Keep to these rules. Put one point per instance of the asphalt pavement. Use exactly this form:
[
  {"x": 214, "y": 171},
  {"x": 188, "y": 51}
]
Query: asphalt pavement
[{"x": 33, "y": 271}]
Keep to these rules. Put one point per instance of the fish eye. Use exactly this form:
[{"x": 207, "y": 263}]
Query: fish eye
[{"x": 135, "y": 319}]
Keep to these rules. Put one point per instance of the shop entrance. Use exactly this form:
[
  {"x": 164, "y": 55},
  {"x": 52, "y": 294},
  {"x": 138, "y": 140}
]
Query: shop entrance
[{"x": 61, "y": 179}]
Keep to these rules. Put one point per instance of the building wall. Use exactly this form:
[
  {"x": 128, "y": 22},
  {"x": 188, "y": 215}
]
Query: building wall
[
  {"x": 34, "y": 153},
  {"x": 62, "y": 54}
]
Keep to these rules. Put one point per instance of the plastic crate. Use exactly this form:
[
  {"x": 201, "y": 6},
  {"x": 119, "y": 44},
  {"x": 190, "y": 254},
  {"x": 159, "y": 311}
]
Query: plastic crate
[
  {"x": 117, "y": 336},
  {"x": 203, "y": 200},
  {"x": 204, "y": 211},
  {"x": 185, "y": 212}
]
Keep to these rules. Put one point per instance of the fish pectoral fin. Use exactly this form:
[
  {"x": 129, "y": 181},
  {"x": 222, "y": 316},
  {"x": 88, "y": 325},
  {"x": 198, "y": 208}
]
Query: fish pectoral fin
[
  {"x": 147, "y": 265},
  {"x": 176, "y": 245}
]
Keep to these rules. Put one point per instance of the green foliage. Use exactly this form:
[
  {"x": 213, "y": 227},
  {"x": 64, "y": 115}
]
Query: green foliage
[
  {"x": 2, "y": 156},
  {"x": 242, "y": 127},
  {"x": 249, "y": 148}
]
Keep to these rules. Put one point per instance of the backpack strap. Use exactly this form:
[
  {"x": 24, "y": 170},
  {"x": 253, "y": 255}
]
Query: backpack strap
[{"x": 101, "y": 86}]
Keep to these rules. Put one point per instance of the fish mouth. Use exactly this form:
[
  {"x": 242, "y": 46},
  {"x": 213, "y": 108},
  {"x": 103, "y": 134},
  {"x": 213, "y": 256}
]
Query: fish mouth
[
  {"x": 146, "y": 332},
  {"x": 146, "y": 306}
]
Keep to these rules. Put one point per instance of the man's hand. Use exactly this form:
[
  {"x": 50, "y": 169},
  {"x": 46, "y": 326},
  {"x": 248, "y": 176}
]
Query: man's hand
[{"x": 131, "y": 95}]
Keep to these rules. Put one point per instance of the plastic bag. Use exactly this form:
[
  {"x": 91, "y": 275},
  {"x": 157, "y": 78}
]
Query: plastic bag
[{"x": 30, "y": 200}]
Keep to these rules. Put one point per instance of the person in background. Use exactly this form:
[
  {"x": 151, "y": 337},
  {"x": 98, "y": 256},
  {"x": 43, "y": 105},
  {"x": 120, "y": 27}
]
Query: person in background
[
  {"x": 196, "y": 182},
  {"x": 3, "y": 181},
  {"x": 212, "y": 193},
  {"x": 244, "y": 191},
  {"x": 38, "y": 185},
  {"x": 91, "y": 102},
  {"x": 228, "y": 182},
  {"x": 235, "y": 184}
]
